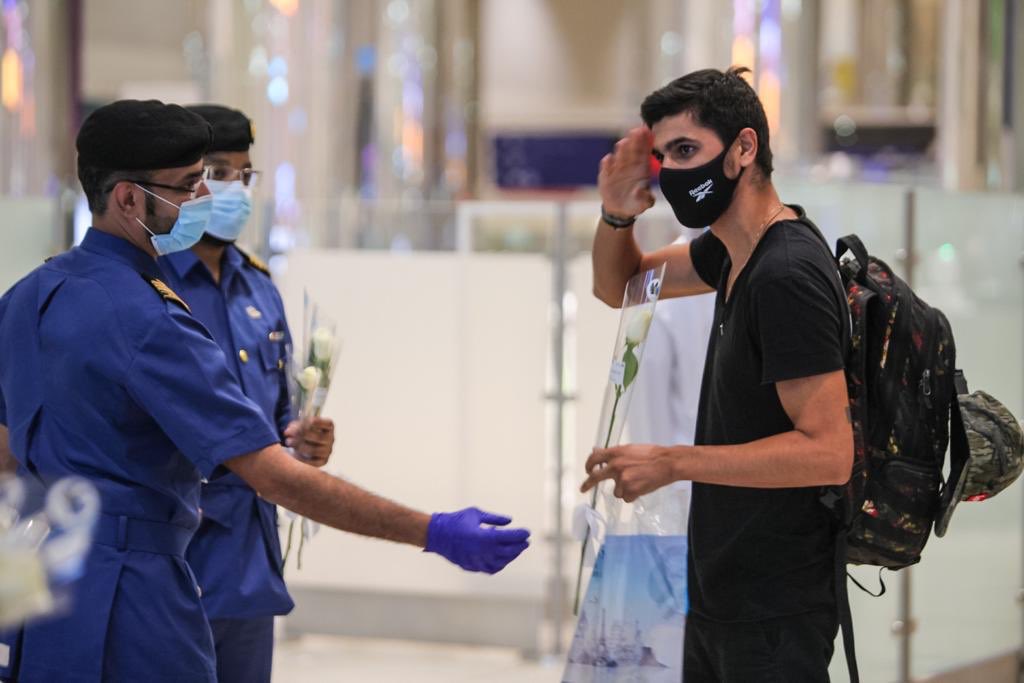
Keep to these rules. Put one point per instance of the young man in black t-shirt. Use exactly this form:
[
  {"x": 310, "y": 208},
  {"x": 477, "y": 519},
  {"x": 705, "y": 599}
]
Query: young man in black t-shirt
[{"x": 773, "y": 424}]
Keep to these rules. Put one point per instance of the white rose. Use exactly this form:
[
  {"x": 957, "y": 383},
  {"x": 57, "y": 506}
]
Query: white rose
[
  {"x": 309, "y": 378},
  {"x": 323, "y": 343},
  {"x": 636, "y": 331}
]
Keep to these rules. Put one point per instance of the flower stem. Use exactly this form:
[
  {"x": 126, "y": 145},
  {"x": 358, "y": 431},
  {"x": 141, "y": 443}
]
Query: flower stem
[
  {"x": 288, "y": 550},
  {"x": 615, "y": 407},
  {"x": 619, "y": 391}
]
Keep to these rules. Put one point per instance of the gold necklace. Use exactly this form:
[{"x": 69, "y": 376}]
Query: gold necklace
[
  {"x": 760, "y": 234},
  {"x": 763, "y": 228}
]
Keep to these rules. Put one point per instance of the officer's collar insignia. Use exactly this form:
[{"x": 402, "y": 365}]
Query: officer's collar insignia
[
  {"x": 253, "y": 312},
  {"x": 164, "y": 291},
  {"x": 255, "y": 262}
]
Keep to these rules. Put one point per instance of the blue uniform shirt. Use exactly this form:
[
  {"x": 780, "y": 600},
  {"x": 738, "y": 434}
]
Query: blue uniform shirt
[
  {"x": 236, "y": 552},
  {"x": 104, "y": 374}
]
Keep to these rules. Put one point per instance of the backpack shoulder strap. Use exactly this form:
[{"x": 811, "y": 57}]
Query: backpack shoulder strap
[
  {"x": 843, "y": 606},
  {"x": 959, "y": 447},
  {"x": 852, "y": 244}
]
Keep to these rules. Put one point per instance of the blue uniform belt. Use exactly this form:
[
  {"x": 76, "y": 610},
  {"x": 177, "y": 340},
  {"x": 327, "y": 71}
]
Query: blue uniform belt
[{"x": 130, "y": 533}]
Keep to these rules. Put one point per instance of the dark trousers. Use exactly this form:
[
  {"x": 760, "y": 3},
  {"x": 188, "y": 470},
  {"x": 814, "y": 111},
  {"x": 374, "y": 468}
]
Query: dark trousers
[
  {"x": 245, "y": 649},
  {"x": 784, "y": 650}
]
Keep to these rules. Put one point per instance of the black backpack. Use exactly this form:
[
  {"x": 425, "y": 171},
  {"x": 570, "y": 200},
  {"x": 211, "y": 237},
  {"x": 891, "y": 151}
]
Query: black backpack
[{"x": 902, "y": 379}]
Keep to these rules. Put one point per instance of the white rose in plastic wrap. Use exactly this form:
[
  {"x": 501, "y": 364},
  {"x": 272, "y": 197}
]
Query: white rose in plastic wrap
[
  {"x": 23, "y": 589},
  {"x": 309, "y": 378},
  {"x": 636, "y": 331},
  {"x": 323, "y": 343}
]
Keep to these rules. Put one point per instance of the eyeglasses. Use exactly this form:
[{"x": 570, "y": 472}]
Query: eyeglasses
[
  {"x": 248, "y": 176},
  {"x": 190, "y": 189}
]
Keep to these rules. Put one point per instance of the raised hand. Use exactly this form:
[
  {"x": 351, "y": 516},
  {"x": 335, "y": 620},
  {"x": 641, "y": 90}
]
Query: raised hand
[
  {"x": 470, "y": 539},
  {"x": 624, "y": 177}
]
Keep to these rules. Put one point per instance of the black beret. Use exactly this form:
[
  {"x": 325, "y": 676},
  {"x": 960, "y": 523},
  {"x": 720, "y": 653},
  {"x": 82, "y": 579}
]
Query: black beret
[
  {"x": 132, "y": 135},
  {"x": 232, "y": 130}
]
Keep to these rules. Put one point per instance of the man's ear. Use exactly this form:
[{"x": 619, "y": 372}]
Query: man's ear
[
  {"x": 124, "y": 199},
  {"x": 748, "y": 146},
  {"x": 741, "y": 154}
]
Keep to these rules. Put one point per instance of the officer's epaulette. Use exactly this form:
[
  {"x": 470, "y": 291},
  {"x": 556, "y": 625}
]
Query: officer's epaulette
[
  {"x": 255, "y": 261},
  {"x": 164, "y": 291}
]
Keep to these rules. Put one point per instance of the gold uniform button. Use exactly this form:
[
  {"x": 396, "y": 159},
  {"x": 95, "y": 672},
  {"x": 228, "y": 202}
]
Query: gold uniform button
[
  {"x": 280, "y": 364},
  {"x": 243, "y": 355}
]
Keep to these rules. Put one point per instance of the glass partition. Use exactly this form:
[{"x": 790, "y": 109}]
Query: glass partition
[
  {"x": 968, "y": 263},
  {"x": 28, "y": 235}
]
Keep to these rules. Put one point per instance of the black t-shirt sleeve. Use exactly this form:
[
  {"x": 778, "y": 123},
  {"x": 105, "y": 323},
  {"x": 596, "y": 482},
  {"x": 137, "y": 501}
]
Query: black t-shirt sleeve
[
  {"x": 708, "y": 255},
  {"x": 797, "y": 325}
]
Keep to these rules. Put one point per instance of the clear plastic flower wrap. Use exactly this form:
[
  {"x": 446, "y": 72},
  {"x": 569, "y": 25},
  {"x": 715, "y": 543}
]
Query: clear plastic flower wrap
[
  {"x": 45, "y": 537},
  {"x": 631, "y": 619},
  {"x": 311, "y": 370}
]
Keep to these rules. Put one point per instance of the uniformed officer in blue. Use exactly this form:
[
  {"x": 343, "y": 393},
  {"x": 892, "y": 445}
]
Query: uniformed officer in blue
[
  {"x": 236, "y": 552},
  {"x": 105, "y": 373}
]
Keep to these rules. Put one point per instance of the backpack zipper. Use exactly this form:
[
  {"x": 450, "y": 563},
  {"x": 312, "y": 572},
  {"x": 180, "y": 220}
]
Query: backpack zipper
[{"x": 925, "y": 382}]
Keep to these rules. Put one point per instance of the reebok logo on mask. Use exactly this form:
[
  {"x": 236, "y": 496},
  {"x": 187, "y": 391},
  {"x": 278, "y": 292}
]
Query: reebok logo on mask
[
  {"x": 698, "y": 196},
  {"x": 703, "y": 190}
]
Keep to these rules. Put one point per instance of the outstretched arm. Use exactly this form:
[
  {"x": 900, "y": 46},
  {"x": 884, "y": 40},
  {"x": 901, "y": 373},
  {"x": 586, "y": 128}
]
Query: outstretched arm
[
  {"x": 468, "y": 538},
  {"x": 8, "y": 465}
]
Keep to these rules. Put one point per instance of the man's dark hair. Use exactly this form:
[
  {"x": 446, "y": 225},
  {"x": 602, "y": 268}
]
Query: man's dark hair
[
  {"x": 97, "y": 184},
  {"x": 721, "y": 101}
]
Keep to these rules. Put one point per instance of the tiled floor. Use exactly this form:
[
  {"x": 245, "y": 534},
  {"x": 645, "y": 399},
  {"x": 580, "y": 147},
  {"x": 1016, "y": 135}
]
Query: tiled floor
[{"x": 326, "y": 659}]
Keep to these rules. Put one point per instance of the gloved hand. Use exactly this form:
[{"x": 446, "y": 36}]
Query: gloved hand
[{"x": 460, "y": 538}]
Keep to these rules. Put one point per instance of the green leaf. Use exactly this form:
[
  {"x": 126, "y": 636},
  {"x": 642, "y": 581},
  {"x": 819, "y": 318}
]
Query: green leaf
[{"x": 632, "y": 366}]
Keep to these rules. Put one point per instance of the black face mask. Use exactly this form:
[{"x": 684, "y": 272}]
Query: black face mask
[{"x": 699, "y": 196}]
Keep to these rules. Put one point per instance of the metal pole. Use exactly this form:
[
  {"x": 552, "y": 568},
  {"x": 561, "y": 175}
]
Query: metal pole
[
  {"x": 905, "y": 626},
  {"x": 1015, "y": 90},
  {"x": 559, "y": 282},
  {"x": 1020, "y": 590}
]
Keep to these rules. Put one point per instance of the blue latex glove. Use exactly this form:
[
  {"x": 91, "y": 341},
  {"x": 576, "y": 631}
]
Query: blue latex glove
[{"x": 460, "y": 538}]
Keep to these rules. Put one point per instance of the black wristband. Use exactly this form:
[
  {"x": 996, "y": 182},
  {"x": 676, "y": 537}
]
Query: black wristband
[{"x": 617, "y": 222}]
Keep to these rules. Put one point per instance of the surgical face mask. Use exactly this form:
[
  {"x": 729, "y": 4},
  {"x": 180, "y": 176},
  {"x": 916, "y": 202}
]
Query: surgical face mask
[
  {"x": 232, "y": 204},
  {"x": 699, "y": 196},
  {"x": 193, "y": 216}
]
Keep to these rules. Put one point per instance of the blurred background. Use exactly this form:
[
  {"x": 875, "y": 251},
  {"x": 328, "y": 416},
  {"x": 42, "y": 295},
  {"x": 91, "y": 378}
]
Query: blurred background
[{"x": 429, "y": 172}]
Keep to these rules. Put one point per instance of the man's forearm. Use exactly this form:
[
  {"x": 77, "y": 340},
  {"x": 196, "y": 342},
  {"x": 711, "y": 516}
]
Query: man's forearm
[
  {"x": 279, "y": 478},
  {"x": 616, "y": 258},
  {"x": 8, "y": 465},
  {"x": 788, "y": 460}
]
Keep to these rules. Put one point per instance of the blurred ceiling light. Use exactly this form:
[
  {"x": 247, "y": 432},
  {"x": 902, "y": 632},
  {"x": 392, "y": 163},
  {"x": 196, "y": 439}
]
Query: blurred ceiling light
[
  {"x": 398, "y": 11},
  {"x": 286, "y": 7},
  {"x": 791, "y": 9},
  {"x": 743, "y": 53},
  {"x": 277, "y": 91},
  {"x": 366, "y": 58},
  {"x": 770, "y": 91},
  {"x": 278, "y": 67},
  {"x": 844, "y": 126},
  {"x": 258, "y": 61},
  {"x": 671, "y": 42},
  {"x": 11, "y": 86}
]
